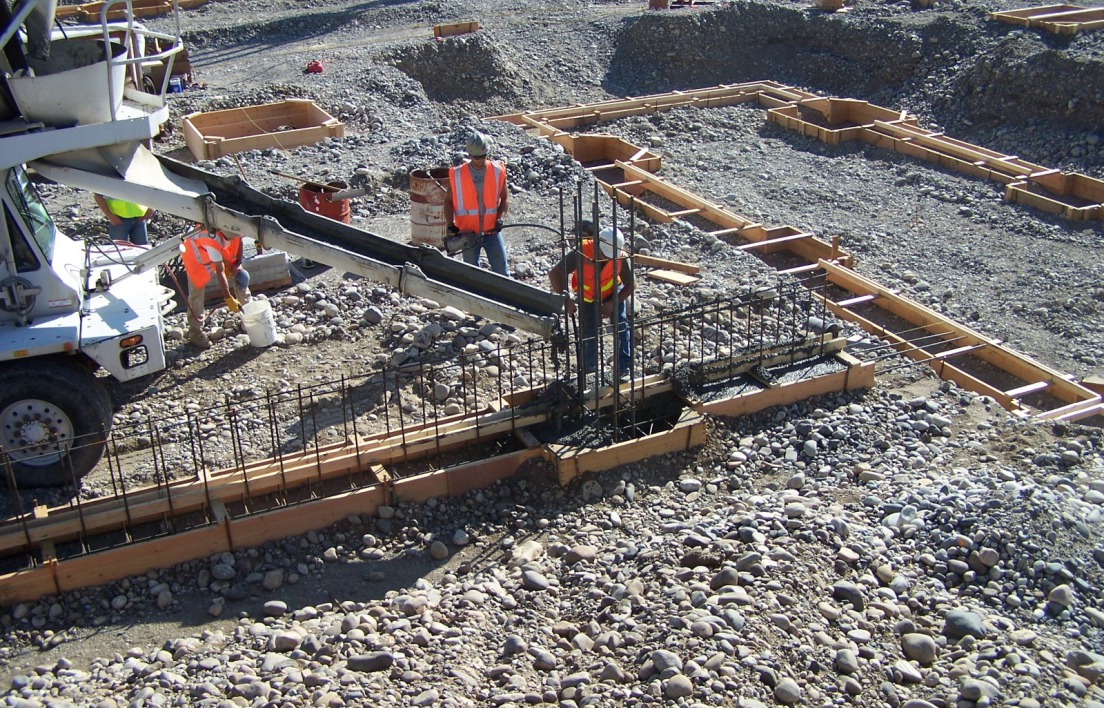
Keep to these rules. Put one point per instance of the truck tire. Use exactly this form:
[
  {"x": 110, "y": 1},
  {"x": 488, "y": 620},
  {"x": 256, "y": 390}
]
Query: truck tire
[{"x": 54, "y": 419}]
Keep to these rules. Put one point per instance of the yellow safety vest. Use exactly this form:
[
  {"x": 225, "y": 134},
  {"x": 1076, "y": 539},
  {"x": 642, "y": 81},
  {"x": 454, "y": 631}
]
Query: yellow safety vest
[{"x": 123, "y": 209}]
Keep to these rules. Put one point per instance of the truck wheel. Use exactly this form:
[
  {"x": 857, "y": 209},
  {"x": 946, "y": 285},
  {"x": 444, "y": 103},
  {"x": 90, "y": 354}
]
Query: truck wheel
[{"x": 54, "y": 418}]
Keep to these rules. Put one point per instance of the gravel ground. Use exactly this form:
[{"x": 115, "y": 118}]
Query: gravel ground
[{"x": 912, "y": 545}]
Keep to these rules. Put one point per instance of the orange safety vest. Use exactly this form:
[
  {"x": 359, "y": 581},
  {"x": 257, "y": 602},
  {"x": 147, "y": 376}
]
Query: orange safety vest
[
  {"x": 199, "y": 267},
  {"x": 465, "y": 202},
  {"x": 609, "y": 278}
]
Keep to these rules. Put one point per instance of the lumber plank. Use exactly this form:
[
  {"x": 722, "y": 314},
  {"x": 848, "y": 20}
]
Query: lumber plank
[
  {"x": 768, "y": 244},
  {"x": 1027, "y": 388},
  {"x": 672, "y": 276},
  {"x": 857, "y": 300},
  {"x": 666, "y": 264}
]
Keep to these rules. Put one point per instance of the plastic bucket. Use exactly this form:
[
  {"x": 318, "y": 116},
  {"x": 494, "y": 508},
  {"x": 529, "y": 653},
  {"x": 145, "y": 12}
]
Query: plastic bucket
[
  {"x": 319, "y": 200},
  {"x": 259, "y": 323},
  {"x": 427, "y": 206}
]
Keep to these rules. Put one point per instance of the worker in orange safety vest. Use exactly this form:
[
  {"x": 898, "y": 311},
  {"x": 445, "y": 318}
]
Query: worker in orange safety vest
[
  {"x": 602, "y": 277},
  {"x": 206, "y": 257},
  {"x": 476, "y": 203}
]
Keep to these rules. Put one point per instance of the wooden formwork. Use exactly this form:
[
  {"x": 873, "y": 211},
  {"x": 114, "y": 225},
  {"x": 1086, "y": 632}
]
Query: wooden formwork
[
  {"x": 597, "y": 151},
  {"x": 285, "y": 125},
  {"x": 767, "y": 93},
  {"x": 1075, "y": 196},
  {"x": 759, "y": 239},
  {"x": 841, "y": 119},
  {"x": 213, "y": 492},
  {"x": 570, "y": 462},
  {"x": 91, "y": 12},
  {"x": 856, "y": 375},
  {"x": 1059, "y": 19},
  {"x": 836, "y": 120},
  {"x": 1033, "y": 377}
]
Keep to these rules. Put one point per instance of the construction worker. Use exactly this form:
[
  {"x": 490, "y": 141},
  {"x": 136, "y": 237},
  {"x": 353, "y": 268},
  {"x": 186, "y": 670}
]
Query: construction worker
[
  {"x": 602, "y": 278},
  {"x": 477, "y": 202},
  {"x": 126, "y": 221},
  {"x": 205, "y": 257}
]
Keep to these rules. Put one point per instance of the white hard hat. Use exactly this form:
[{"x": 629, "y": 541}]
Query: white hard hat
[
  {"x": 479, "y": 145},
  {"x": 611, "y": 242}
]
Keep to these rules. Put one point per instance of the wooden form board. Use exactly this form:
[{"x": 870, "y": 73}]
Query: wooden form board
[
  {"x": 283, "y": 125},
  {"x": 724, "y": 95},
  {"x": 91, "y": 11},
  {"x": 1078, "y": 398},
  {"x": 455, "y": 28},
  {"x": 277, "y": 475},
  {"x": 844, "y": 118},
  {"x": 733, "y": 226},
  {"x": 593, "y": 147},
  {"x": 1058, "y": 19},
  {"x": 570, "y": 462},
  {"x": 1076, "y": 196},
  {"x": 857, "y": 375},
  {"x": 672, "y": 276}
]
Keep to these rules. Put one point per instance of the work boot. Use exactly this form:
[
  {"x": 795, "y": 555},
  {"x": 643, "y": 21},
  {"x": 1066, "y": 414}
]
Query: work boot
[{"x": 198, "y": 338}]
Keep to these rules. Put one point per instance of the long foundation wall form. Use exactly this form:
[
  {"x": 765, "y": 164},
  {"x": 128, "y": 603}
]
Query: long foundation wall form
[
  {"x": 262, "y": 468},
  {"x": 1058, "y": 19},
  {"x": 954, "y": 351}
]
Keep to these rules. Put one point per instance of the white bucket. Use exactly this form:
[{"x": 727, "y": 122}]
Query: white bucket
[{"x": 259, "y": 323}]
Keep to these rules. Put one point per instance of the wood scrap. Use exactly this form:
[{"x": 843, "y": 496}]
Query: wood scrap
[{"x": 672, "y": 276}]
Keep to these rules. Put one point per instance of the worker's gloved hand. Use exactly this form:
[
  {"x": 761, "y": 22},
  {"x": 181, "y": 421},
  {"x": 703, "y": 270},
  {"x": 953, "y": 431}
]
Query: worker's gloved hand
[
  {"x": 498, "y": 225},
  {"x": 233, "y": 305},
  {"x": 569, "y": 306},
  {"x": 453, "y": 230}
]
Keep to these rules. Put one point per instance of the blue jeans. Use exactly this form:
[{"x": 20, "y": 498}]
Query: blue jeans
[
  {"x": 132, "y": 229},
  {"x": 495, "y": 247},
  {"x": 588, "y": 325}
]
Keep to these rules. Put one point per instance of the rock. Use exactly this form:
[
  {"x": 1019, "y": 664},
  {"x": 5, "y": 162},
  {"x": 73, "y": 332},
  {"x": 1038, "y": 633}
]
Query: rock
[
  {"x": 371, "y": 662},
  {"x": 846, "y": 661},
  {"x": 848, "y": 592},
  {"x": 678, "y": 686},
  {"x": 788, "y": 691},
  {"x": 963, "y": 623},
  {"x": 1061, "y": 595},
  {"x": 920, "y": 648}
]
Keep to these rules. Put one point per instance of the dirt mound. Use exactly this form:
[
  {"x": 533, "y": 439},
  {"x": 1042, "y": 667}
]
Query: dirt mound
[{"x": 465, "y": 68}]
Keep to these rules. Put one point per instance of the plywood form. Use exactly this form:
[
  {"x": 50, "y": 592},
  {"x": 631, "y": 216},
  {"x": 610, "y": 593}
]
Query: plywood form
[
  {"x": 277, "y": 475},
  {"x": 284, "y": 125}
]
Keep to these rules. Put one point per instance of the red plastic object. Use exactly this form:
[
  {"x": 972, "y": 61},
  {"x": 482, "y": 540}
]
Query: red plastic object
[{"x": 314, "y": 67}]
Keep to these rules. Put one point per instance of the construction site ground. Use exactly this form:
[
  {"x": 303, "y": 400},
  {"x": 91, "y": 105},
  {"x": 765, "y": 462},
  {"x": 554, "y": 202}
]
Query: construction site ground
[{"x": 1033, "y": 280}]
